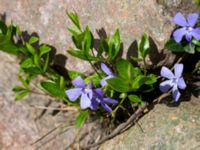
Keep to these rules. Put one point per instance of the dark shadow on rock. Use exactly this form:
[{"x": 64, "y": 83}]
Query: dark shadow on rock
[
  {"x": 132, "y": 52},
  {"x": 3, "y": 17},
  {"x": 154, "y": 55}
]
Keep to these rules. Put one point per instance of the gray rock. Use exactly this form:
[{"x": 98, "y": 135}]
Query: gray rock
[
  {"x": 163, "y": 128},
  {"x": 19, "y": 125}
]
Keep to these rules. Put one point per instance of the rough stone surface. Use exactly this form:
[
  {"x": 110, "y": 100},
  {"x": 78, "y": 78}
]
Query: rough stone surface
[
  {"x": 19, "y": 126},
  {"x": 163, "y": 128},
  {"x": 48, "y": 19}
]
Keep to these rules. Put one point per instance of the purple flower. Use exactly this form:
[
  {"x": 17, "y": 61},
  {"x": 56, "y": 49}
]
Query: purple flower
[
  {"x": 175, "y": 81},
  {"x": 99, "y": 98},
  {"x": 85, "y": 91},
  {"x": 187, "y": 27},
  {"x": 107, "y": 71}
]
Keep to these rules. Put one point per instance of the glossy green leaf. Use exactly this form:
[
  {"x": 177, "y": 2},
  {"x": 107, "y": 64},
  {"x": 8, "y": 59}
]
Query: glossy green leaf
[
  {"x": 103, "y": 48},
  {"x": 189, "y": 48},
  {"x": 23, "y": 81},
  {"x": 135, "y": 99},
  {"x": 94, "y": 78},
  {"x": 119, "y": 84},
  {"x": 32, "y": 70},
  {"x": 138, "y": 82},
  {"x": 27, "y": 63},
  {"x": 53, "y": 89},
  {"x": 82, "y": 55},
  {"x": 21, "y": 95},
  {"x": 46, "y": 63},
  {"x": 30, "y": 48},
  {"x": 3, "y": 27},
  {"x": 82, "y": 117},
  {"x": 33, "y": 40},
  {"x": 173, "y": 46},
  {"x": 150, "y": 79},
  {"x": 143, "y": 46},
  {"x": 36, "y": 60},
  {"x": 74, "y": 18},
  {"x": 73, "y": 74},
  {"x": 18, "y": 89},
  {"x": 10, "y": 48},
  {"x": 44, "y": 49},
  {"x": 88, "y": 41},
  {"x": 125, "y": 69},
  {"x": 114, "y": 45}
]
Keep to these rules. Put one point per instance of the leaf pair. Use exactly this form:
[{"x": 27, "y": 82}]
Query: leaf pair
[{"x": 130, "y": 78}]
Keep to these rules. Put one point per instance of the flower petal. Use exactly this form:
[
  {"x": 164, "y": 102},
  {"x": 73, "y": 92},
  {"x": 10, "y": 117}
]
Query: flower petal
[
  {"x": 188, "y": 37},
  {"x": 106, "y": 107},
  {"x": 73, "y": 94},
  {"x": 103, "y": 81},
  {"x": 85, "y": 101},
  {"x": 165, "y": 72},
  {"x": 178, "y": 34},
  {"x": 175, "y": 93},
  {"x": 192, "y": 19},
  {"x": 180, "y": 20},
  {"x": 99, "y": 92},
  {"x": 196, "y": 33},
  {"x": 178, "y": 70},
  {"x": 110, "y": 100},
  {"x": 78, "y": 82},
  {"x": 165, "y": 85},
  {"x": 181, "y": 84},
  {"x": 94, "y": 105},
  {"x": 90, "y": 85},
  {"x": 106, "y": 69}
]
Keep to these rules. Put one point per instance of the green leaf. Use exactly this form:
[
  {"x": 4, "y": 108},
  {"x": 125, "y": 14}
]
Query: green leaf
[
  {"x": 189, "y": 48},
  {"x": 94, "y": 78},
  {"x": 114, "y": 45},
  {"x": 21, "y": 95},
  {"x": 138, "y": 82},
  {"x": 82, "y": 117},
  {"x": 10, "y": 48},
  {"x": 173, "y": 46},
  {"x": 74, "y": 18},
  {"x": 103, "y": 47},
  {"x": 119, "y": 84},
  {"x": 125, "y": 69},
  {"x": 32, "y": 70},
  {"x": 135, "y": 99},
  {"x": 23, "y": 81},
  {"x": 27, "y": 63},
  {"x": 18, "y": 89},
  {"x": 88, "y": 41},
  {"x": 81, "y": 55},
  {"x": 198, "y": 49},
  {"x": 150, "y": 79},
  {"x": 73, "y": 74},
  {"x": 196, "y": 42},
  {"x": 53, "y": 88},
  {"x": 143, "y": 46},
  {"x": 33, "y": 40},
  {"x": 197, "y": 2},
  {"x": 3, "y": 27},
  {"x": 36, "y": 60},
  {"x": 44, "y": 49},
  {"x": 30, "y": 48},
  {"x": 46, "y": 63}
]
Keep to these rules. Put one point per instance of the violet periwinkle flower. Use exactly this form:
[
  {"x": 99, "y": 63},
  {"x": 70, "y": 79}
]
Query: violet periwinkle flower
[
  {"x": 99, "y": 98},
  {"x": 175, "y": 81},
  {"x": 85, "y": 91},
  {"x": 107, "y": 71},
  {"x": 187, "y": 27}
]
